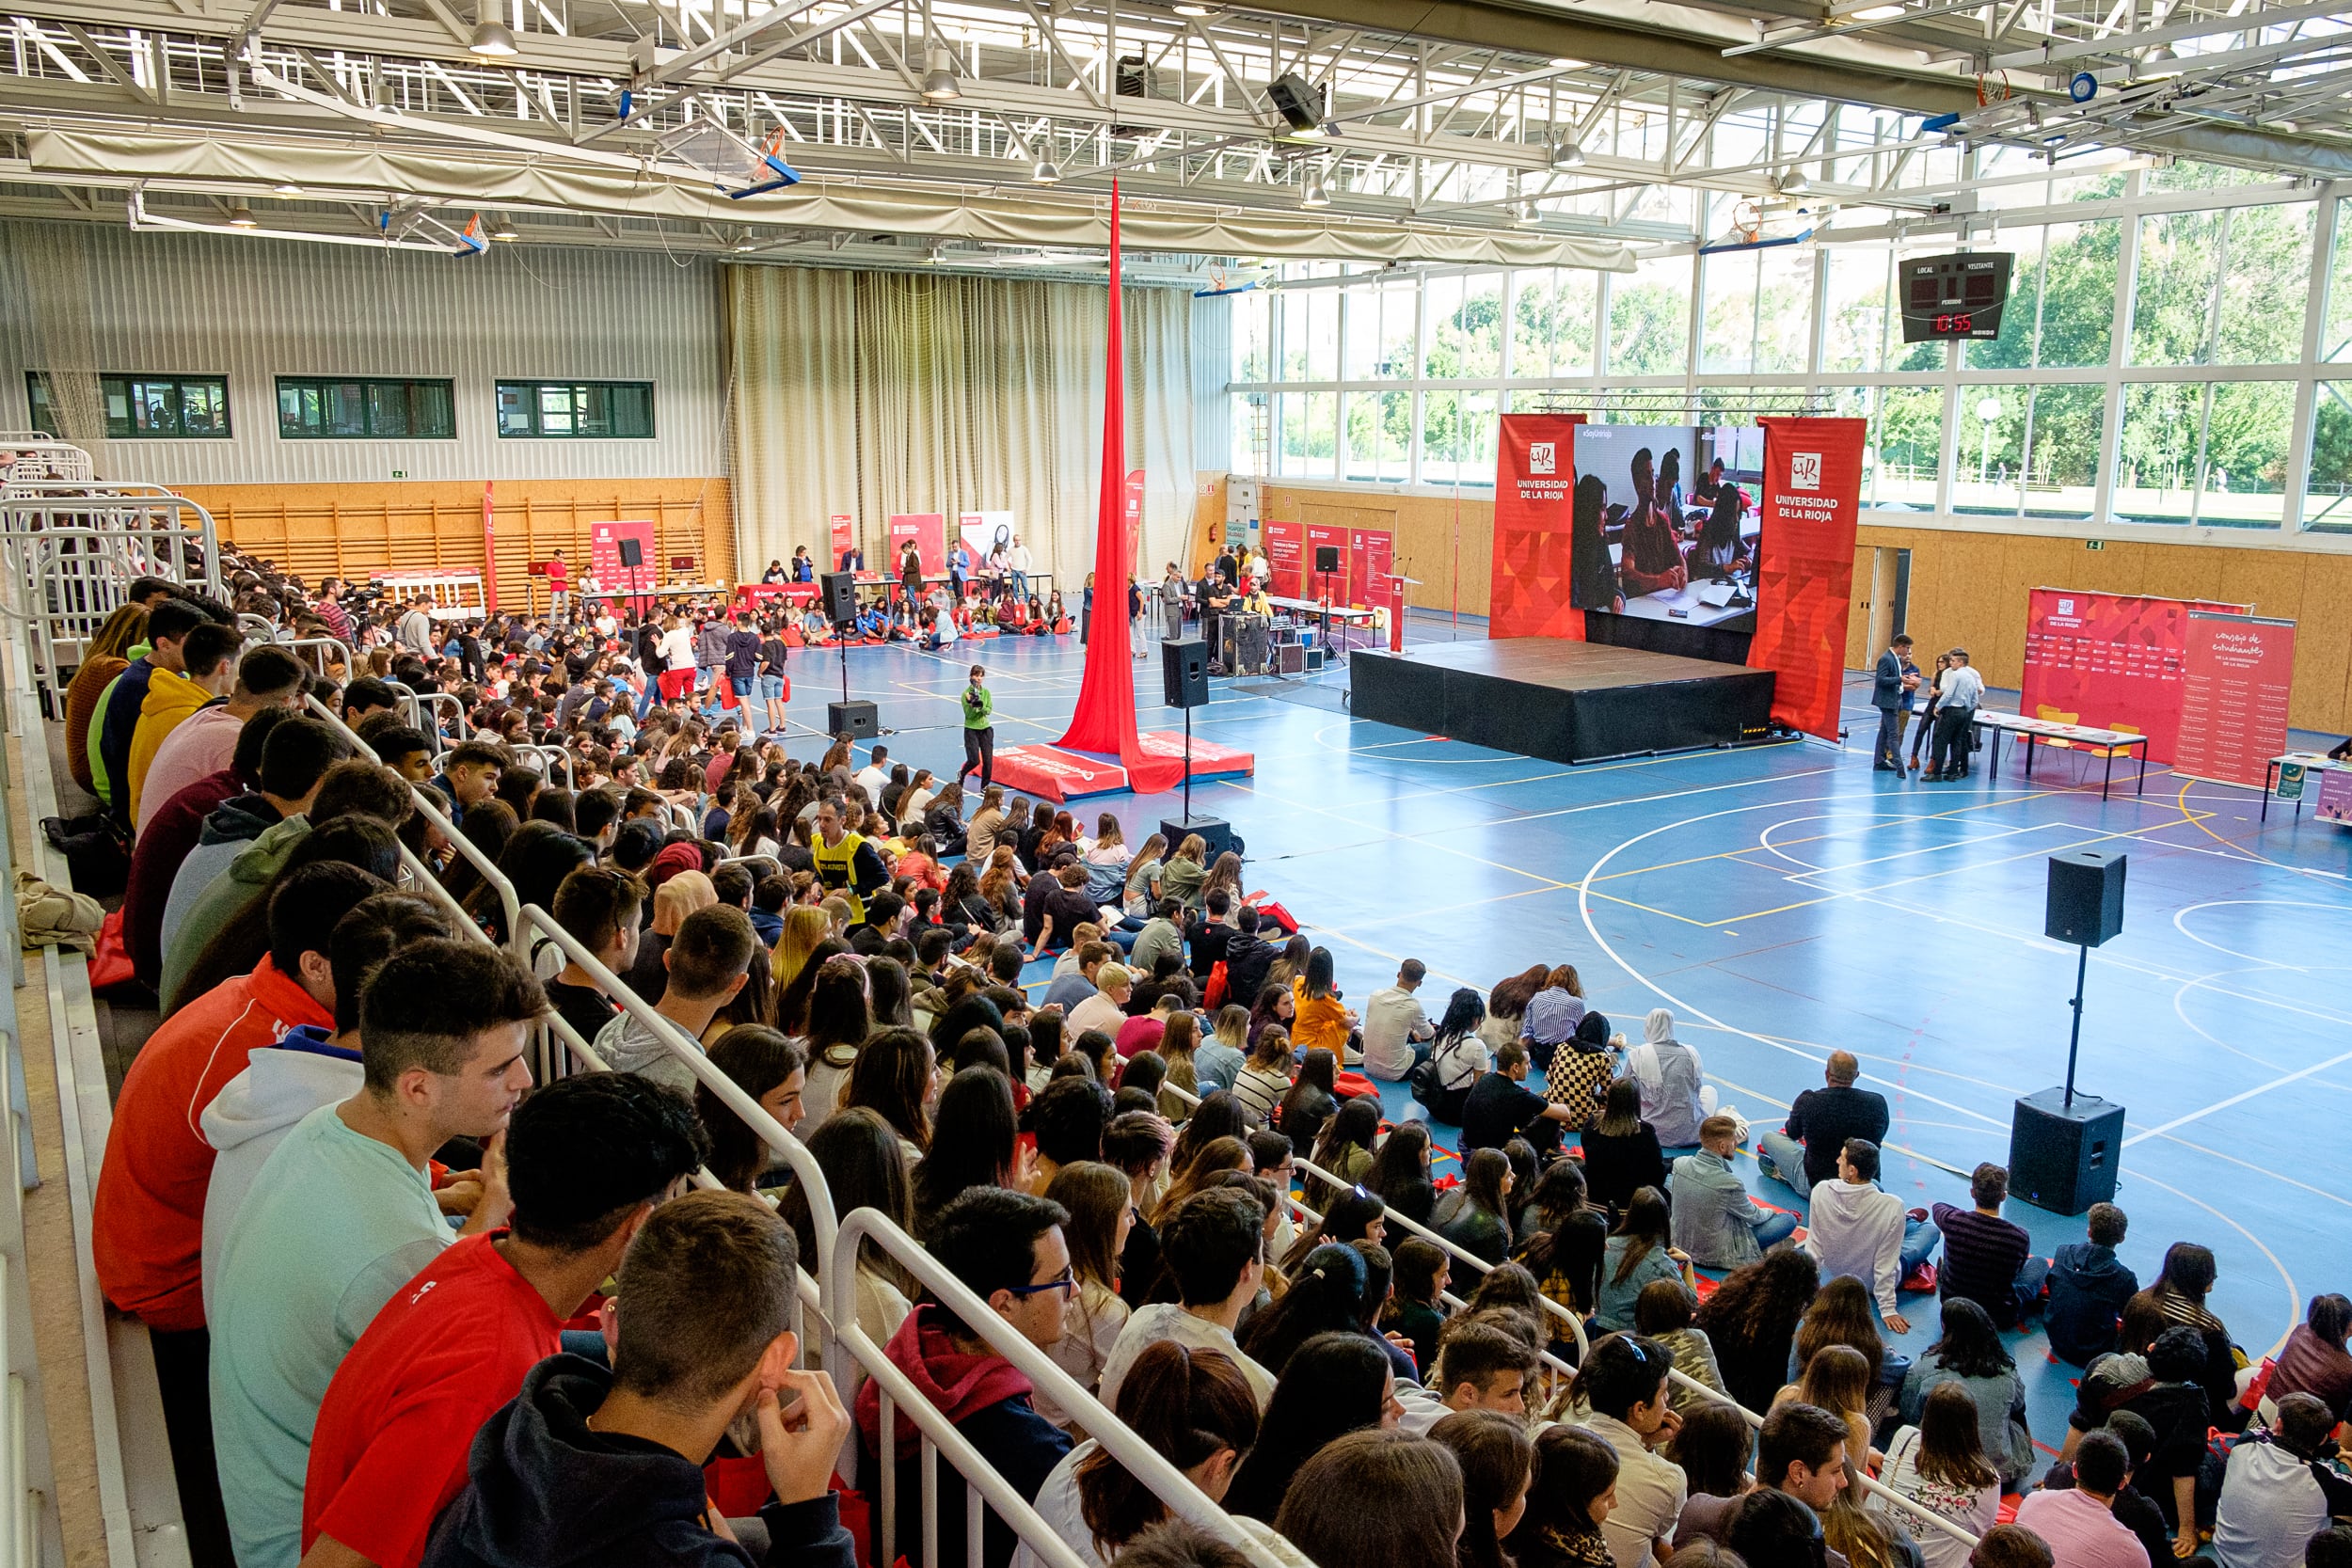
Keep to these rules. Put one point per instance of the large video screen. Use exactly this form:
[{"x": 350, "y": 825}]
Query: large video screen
[{"x": 1665, "y": 521}]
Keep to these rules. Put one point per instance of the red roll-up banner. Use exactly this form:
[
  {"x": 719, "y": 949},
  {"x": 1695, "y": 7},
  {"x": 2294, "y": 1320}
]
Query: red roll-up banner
[
  {"x": 1534, "y": 477},
  {"x": 1805, "y": 575},
  {"x": 1319, "y": 537},
  {"x": 2110, "y": 660},
  {"x": 1368, "y": 554},
  {"x": 844, "y": 528},
  {"x": 2237, "y": 675},
  {"x": 1285, "y": 551}
]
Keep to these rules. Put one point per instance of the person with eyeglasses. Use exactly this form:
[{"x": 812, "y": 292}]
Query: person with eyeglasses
[{"x": 1006, "y": 1248}]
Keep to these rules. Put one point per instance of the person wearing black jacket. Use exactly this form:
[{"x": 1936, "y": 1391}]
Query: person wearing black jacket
[
  {"x": 1246, "y": 959},
  {"x": 591, "y": 1467},
  {"x": 1805, "y": 1151},
  {"x": 1212, "y": 935}
]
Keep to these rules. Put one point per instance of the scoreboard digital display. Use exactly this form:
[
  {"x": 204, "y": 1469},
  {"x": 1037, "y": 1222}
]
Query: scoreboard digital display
[{"x": 1955, "y": 296}]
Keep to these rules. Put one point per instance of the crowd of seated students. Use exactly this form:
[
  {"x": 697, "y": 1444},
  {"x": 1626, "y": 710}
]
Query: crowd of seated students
[{"x": 357, "y": 1236}]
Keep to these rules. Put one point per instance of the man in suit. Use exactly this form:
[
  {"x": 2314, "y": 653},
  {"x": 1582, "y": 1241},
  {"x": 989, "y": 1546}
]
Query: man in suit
[{"x": 1890, "y": 693}]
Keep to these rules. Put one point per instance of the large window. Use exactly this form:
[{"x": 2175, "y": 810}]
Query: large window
[
  {"x": 1649, "y": 318},
  {"x": 576, "y": 410},
  {"x": 2177, "y": 348},
  {"x": 327, "y": 408},
  {"x": 145, "y": 407},
  {"x": 1759, "y": 310}
]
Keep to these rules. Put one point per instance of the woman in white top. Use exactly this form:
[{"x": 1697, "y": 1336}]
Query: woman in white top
[
  {"x": 1101, "y": 1215},
  {"x": 1940, "y": 1464},
  {"x": 1106, "y": 861},
  {"x": 1192, "y": 1406}
]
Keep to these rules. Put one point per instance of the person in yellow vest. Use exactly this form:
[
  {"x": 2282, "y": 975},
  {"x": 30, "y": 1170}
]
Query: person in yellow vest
[
  {"x": 847, "y": 863},
  {"x": 208, "y": 668}
]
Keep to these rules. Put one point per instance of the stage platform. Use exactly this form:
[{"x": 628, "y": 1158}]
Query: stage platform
[
  {"x": 1562, "y": 701},
  {"x": 1059, "y": 775}
]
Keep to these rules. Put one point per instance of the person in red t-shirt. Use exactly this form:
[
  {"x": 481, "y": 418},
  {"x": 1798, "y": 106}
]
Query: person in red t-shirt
[
  {"x": 559, "y": 589},
  {"x": 147, "y": 1226},
  {"x": 587, "y": 1157}
]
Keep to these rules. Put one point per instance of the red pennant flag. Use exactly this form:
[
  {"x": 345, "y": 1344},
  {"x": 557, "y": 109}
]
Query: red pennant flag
[{"x": 1106, "y": 717}]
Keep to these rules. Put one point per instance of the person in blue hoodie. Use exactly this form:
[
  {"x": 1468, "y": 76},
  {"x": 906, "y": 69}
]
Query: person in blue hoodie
[{"x": 592, "y": 1466}]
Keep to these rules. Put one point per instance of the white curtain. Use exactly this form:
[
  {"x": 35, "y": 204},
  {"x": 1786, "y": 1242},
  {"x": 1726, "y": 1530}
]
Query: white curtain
[{"x": 873, "y": 393}]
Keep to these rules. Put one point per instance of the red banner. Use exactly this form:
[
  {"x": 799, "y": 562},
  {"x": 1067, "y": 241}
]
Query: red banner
[
  {"x": 2237, "y": 672},
  {"x": 928, "y": 530},
  {"x": 1136, "y": 566},
  {"x": 1104, "y": 719},
  {"x": 490, "y": 554},
  {"x": 1535, "y": 479},
  {"x": 1285, "y": 551},
  {"x": 1369, "y": 553},
  {"x": 844, "y": 530},
  {"x": 604, "y": 557},
  {"x": 2110, "y": 660},
  {"x": 1812, "y": 493},
  {"x": 1319, "y": 537}
]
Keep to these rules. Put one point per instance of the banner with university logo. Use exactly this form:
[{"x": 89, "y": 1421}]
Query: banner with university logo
[
  {"x": 1534, "y": 476},
  {"x": 1804, "y": 571},
  {"x": 2237, "y": 675}
]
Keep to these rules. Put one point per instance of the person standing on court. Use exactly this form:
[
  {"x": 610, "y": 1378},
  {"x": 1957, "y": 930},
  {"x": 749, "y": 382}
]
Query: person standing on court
[
  {"x": 979, "y": 730},
  {"x": 1891, "y": 688},
  {"x": 1955, "y": 719}
]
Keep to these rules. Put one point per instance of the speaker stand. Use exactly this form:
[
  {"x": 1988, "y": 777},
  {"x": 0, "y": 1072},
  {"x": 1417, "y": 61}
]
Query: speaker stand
[
  {"x": 841, "y": 643},
  {"x": 2070, "y": 1078},
  {"x": 2075, "y": 1039}
]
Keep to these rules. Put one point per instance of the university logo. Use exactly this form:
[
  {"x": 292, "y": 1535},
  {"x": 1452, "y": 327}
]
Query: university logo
[
  {"x": 1540, "y": 458},
  {"x": 1805, "y": 470}
]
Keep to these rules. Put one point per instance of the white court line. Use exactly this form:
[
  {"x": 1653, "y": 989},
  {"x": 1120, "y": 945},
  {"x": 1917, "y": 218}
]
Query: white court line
[{"x": 2241, "y": 1097}]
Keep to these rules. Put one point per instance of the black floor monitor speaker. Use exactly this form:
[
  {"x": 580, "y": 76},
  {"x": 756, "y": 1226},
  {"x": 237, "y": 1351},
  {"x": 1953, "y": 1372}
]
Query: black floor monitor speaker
[
  {"x": 858, "y": 720},
  {"x": 2086, "y": 897},
  {"x": 1185, "y": 671},
  {"x": 840, "y": 590},
  {"x": 1215, "y": 831},
  {"x": 1327, "y": 558},
  {"x": 2063, "y": 1157}
]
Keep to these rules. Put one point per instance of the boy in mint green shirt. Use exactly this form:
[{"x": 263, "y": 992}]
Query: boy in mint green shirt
[{"x": 343, "y": 1214}]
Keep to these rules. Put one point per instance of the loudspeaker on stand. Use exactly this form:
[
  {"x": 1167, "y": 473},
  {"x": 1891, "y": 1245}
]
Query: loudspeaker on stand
[
  {"x": 2063, "y": 1157},
  {"x": 1185, "y": 671},
  {"x": 858, "y": 720},
  {"x": 2086, "y": 897},
  {"x": 840, "y": 590}
]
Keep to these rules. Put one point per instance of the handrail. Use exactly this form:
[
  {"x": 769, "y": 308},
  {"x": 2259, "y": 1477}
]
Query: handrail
[
  {"x": 434, "y": 814},
  {"x": 805, "y": 1170},
  {"x": 1137, "y": 1457},
  {"x": 1681, "y": 1380},
  {"x": 296, "y": 646}
]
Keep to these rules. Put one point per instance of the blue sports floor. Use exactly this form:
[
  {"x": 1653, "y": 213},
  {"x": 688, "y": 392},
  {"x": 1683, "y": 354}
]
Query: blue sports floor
[{"x": 1785, "y": 900}]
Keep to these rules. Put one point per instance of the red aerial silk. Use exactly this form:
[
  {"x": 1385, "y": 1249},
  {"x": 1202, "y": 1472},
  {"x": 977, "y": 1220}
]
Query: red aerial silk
[{"x": 1106, "y": 717}]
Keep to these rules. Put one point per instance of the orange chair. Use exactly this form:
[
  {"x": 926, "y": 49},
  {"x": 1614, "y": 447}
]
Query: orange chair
[{"x": 2060, "y": 716}]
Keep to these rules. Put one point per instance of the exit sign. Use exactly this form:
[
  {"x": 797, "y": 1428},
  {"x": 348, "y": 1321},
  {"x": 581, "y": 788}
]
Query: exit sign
[
  {"x": 2094, "y": 544},
  {"x": 400, "y": 473}
]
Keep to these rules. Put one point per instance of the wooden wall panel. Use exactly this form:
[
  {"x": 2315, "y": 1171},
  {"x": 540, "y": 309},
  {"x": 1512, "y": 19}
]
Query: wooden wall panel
[
  {"x": 1970, "y": 588},
  {"x": 360, "y": 530}
]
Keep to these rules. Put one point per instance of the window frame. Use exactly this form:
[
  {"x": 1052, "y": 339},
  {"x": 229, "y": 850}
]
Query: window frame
[
  {"x": 367, "y": 384},
  {"x": 536, "y": 389},
  {"x": 37, "y": 399}
]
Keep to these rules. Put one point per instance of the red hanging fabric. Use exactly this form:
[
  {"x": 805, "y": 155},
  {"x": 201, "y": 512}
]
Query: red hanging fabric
[{"x": 1104, "y": 721}]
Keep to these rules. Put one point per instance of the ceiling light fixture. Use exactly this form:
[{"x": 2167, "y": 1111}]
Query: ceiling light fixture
[
  {"x": 1527, "y": 215},
  {"x": 1567, "y": 153},
  {"x": 241, "y": 216},
  {"x": 1875, "y": 13},
  {"x": 1299, "y": 102},
  {"x": 1794, "y": 184},
  {"x": 939, "y": 77},
  {"x": 1316, "y": 194},
  {"x": 502, "y": 228},
  {"x": 492, "y": 39},
  {"x": 286, "y": 188},
  {"x": 1190, "y": 8},
  {"x": 1046, "y": 173}
]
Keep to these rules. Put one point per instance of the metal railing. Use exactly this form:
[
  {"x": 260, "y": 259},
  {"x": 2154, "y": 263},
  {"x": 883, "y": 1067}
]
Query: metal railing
[
  {"x": 1146, "y": 1464},
  {"x": 75, "y": 547},
  {"x": 1555, "y": 1313}
]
